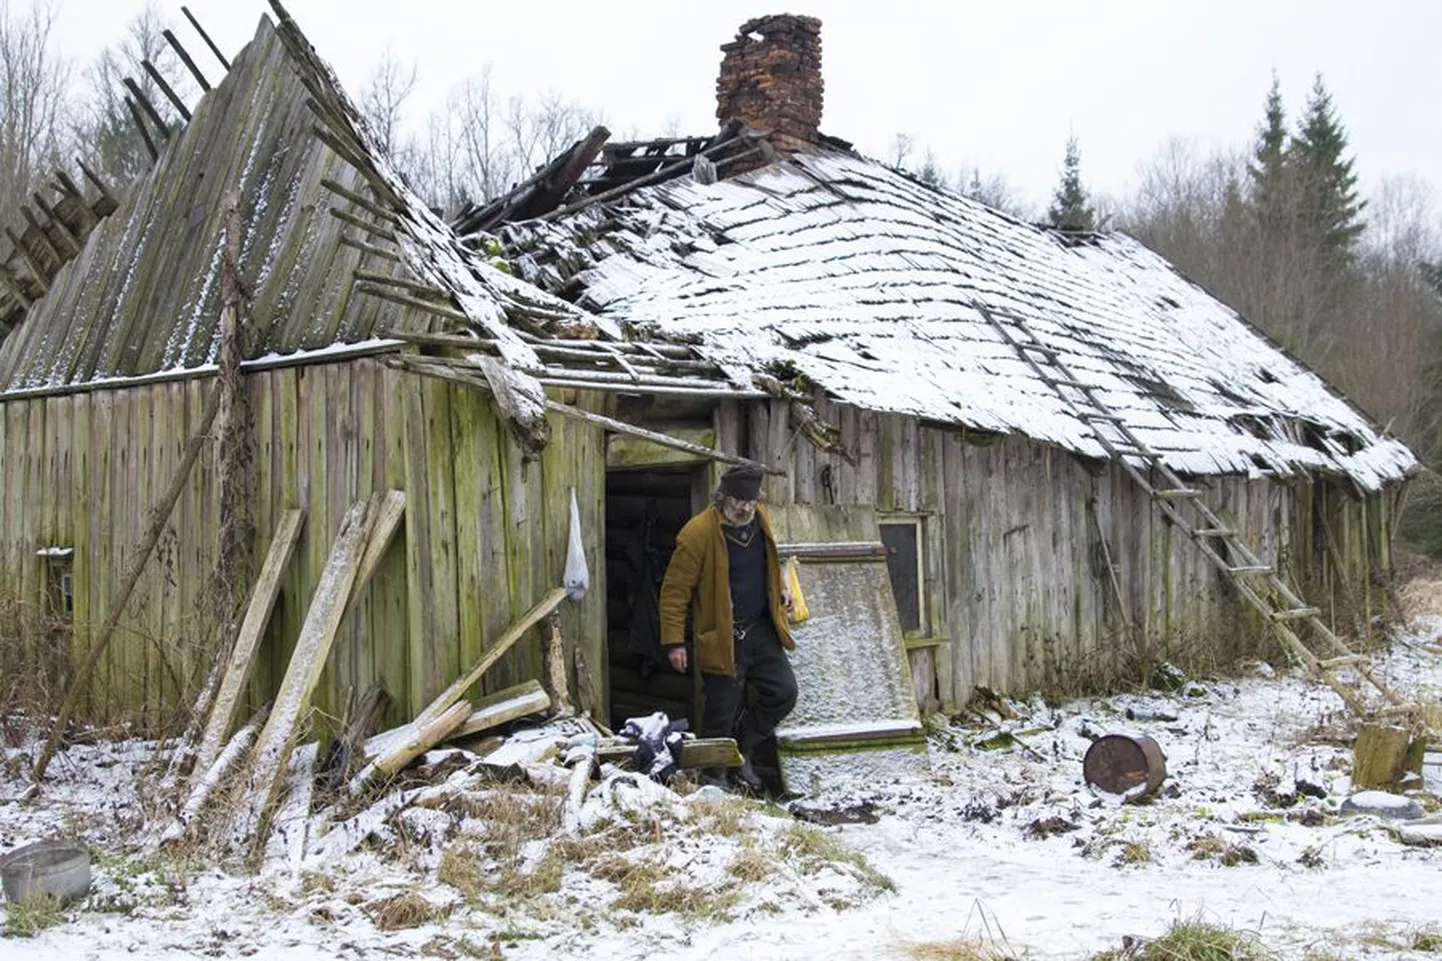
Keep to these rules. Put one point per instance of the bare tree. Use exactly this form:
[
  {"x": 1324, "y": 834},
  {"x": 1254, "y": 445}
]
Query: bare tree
[
  {"x": 106, "y": 126},
  {"x": 1372, "y": 330},
  {"x": 32, "y": 102},
  {"x": 382, "y": 104}
]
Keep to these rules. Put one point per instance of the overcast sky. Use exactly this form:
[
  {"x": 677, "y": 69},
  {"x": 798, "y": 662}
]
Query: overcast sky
[{"x": 995, "y": 85}]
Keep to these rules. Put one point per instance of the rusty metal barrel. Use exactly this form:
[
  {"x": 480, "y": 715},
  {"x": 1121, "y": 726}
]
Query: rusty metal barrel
[{"x": 1130, "y": 767}]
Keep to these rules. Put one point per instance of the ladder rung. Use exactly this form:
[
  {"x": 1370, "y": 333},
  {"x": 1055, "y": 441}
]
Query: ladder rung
[
  {"x": 1038, "y": 348},
  {"x": 1251, "y": 569},
  {"x": 1178, "y": 494},
  {"x": 1075, "y": 385},
  {"x": 1347, "y": 660},
  {"x": 1097, "y": 415},
  {"x": 1214, "y": 532},
  {"x": 1296, "y": 614}
]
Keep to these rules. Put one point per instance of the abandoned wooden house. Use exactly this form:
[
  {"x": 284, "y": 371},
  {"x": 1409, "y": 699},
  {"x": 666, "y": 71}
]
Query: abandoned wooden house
[{"x": 1008, "y": 409}]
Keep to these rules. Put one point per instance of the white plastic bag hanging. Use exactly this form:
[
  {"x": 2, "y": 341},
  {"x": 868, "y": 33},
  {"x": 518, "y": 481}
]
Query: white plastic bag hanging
[{"x": 577, "y": 578}]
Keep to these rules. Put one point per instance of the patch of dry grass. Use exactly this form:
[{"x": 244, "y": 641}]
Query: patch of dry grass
[
  {"x": 957, "y": 949},
  {"x": 405, "y": 910},
  {"x": 462, "y": 867},
  {"x": 751, "y": 865},
  {"x": 813, "y": 848},
  {"x": 1210, "y": 847},
  {"x": 1135, "y": 852},
  {"x": 1191, "y": 940},
  {"x": 32, "y": 914}
]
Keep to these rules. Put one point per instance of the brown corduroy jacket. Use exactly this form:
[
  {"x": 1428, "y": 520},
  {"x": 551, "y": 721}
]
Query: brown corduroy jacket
[{"x": 699, "y": 574}]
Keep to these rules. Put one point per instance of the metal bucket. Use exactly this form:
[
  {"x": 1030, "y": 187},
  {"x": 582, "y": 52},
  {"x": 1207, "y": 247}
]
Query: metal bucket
[
  {"x": 1129, "y": 767},
  {"x": 60, "y": 869}
]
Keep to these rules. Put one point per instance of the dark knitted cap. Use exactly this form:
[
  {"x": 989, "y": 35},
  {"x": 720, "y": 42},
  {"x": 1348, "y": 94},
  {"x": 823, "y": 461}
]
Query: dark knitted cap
[{"x": 742, "y": 481}]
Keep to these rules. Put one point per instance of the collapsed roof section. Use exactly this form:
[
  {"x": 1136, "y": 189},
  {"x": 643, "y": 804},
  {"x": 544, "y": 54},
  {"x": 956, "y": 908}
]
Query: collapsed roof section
[
  {"x": 320, "y": 211},
  {"x": 832, "y": 270}
]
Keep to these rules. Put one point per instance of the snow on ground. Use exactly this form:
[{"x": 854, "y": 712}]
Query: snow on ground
[{"x": 1004, "y": 845}]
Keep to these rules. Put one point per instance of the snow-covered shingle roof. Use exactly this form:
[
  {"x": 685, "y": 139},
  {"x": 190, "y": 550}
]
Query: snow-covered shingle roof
[{"x": 870, "y": 285}]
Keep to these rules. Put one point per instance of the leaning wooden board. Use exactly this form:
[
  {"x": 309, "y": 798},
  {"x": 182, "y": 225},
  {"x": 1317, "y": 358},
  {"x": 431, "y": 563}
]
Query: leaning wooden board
[{"x": 856, "y": 715}]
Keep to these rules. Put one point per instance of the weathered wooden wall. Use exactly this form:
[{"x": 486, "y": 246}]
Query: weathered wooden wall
[
  {"x": 484, "y": 537},
  {"x": 1018, "y": 536}
]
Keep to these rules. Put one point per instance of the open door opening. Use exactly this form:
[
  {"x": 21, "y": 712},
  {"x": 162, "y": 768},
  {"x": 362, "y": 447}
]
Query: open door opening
[{"x": 645, "y": 508}]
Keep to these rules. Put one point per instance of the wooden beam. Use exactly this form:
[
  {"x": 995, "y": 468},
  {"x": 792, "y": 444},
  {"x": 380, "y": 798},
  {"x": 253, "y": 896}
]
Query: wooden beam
[
  {"x": 252, "y": 627},
  {"x": 35, "y": 225},
  {"x": 13, "y": 285},
  {"x": 99, "y": 184},
  {"x": 211, "y": 775},
  {"x": 147, "y": 106},
  {"x": 365, "y": 203},
  {"x": 32, "y": 263},
  {"x": 166, "y": 89},
  {"x": 497, "y": 649},
  {"x": 144, "y": 132},
  {"x": 370, "y": 227},
  {"x": 66, "y": 234},
  {"x": 312, "y": 649},
  {"x": 390, "y": 513},
  {"x": 366, "y": 248},
  {"x": 420, "y": 290},
  {"x": 665, "y": 440},
  {"x": 493, "y": 710},
  {"x": 206, "y": 37},
  {"x": 662, "y": 174},
  {"x": 449, "y": 313},
  {"x": 696, "y": 752},
  {"x": 185, "y": 59},
  {"x": 421, "y": 735},
  {"x": 159, "y": 517},
  {"x": 557, "y": 686}
]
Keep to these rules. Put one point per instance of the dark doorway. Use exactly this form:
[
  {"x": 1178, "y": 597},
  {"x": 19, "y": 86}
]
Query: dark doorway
[{"x": 645, "y": 508}]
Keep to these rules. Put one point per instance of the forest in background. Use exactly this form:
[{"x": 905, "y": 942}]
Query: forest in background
[{"x": 1276, "y": 227}]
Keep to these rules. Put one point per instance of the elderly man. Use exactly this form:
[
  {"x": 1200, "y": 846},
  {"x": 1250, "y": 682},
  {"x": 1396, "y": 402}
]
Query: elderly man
[{"x": 725, "y": 567}]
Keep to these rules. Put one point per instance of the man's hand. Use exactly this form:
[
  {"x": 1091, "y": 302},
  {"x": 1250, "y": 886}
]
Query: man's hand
[
  {"x": 677, "y": 657},
  {"x": 789, "y": 604}
]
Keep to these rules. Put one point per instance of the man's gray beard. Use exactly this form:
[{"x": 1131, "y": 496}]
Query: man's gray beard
[{"x": 729, "y": 518}]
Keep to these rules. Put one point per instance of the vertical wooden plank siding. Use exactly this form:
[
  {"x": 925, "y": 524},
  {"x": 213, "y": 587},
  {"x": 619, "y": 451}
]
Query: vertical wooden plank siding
[{"x": 1014, "y": 575}]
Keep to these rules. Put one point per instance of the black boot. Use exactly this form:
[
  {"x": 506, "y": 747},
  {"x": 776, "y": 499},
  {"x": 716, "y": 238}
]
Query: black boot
[{"x": 748, "y": 743}]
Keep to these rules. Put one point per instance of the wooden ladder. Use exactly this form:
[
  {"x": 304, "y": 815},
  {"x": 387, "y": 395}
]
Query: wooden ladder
[{"x": 1281, "y": 606}]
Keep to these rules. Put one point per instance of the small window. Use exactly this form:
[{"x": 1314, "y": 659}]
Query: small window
[{"x": 904, "y": 563}]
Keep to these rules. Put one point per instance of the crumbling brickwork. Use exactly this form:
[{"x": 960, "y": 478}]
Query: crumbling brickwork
[{"x": 771, "y": 78}]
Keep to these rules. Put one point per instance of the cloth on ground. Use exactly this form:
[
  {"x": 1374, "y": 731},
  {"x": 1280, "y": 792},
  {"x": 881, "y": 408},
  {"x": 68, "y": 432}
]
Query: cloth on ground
[{"x": 658, "y": 744}]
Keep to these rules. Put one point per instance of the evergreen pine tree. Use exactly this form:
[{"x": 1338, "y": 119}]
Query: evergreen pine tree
[
  {"x": 1268, "y": 169},
  {"x": 1071, "y": 208},
  {"x": 1330, "y": 208}
]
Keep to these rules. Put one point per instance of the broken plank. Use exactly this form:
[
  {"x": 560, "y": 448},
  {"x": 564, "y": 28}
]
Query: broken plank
[
  {"x": 697, "y": 752},
  {"x": 503, "y": 707},
  {"x": 215, "y": 773},
  {"x": 257, "y": 615},
  {"x": 388, "y": 520},
  {"x": 422, "y": 736},
  {"x": 317, "y": 633},
  {"x": 286, "y": 847},
  {"x": 493, "y": 654}
]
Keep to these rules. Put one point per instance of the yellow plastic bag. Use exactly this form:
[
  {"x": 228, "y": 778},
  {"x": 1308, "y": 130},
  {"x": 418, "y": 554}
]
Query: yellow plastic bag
[{"x": 799, "y": 611}]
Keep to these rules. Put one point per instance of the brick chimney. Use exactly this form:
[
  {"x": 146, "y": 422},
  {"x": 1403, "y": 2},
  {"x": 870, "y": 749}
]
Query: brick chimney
[{"x": 771, "y": 78}]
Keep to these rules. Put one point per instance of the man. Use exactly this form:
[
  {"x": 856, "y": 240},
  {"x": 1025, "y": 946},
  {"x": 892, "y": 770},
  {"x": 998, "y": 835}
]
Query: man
[{"x": 725, "y": 567}]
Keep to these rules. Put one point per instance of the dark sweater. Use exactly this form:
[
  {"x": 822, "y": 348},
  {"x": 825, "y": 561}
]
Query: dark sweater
[{"x": 747, "y": 564}]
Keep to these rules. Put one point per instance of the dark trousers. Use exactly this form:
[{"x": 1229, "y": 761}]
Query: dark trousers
[{"x": 762, "y": 663}]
